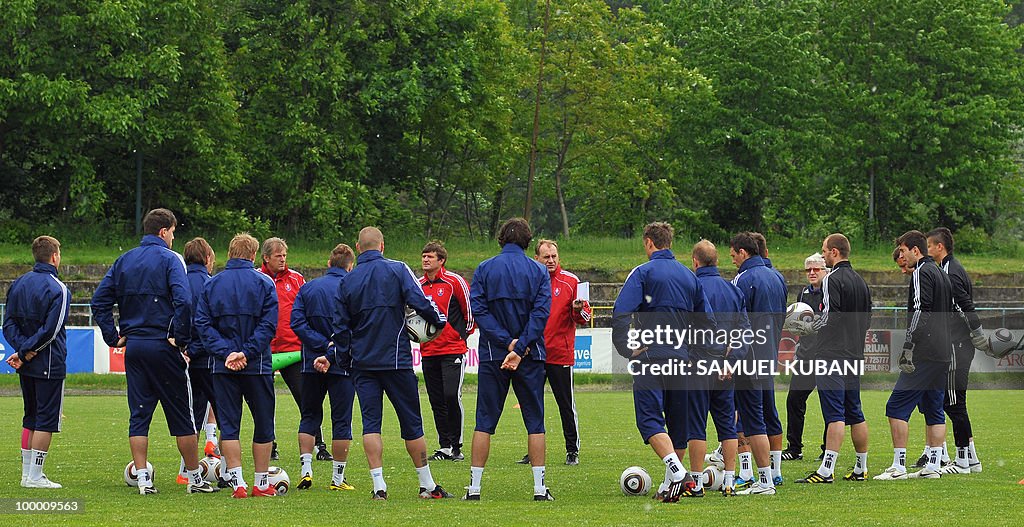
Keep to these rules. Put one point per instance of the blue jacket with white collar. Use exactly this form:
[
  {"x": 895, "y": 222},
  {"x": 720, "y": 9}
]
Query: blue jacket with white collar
[
  {"x": 149, "y": 286},
  {"x": 511, "y": 299},
  {"x": 313, "y": 322},
  {"x": 34, "y": 319},
  {"x": 238, "y": 312},
  {"x": 197, "y": 276},
  {"x": 372, "y": 300}
]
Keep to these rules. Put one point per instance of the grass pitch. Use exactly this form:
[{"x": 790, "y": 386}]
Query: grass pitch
[{"x": 90, "y": 454}]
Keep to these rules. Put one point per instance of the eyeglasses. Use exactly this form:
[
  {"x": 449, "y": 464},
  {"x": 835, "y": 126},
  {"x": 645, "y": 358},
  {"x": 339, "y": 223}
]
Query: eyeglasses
[{"x": 815, "y": 269}]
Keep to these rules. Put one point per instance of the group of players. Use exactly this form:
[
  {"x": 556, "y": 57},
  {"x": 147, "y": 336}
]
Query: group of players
[{"x": 201, "y": 346}]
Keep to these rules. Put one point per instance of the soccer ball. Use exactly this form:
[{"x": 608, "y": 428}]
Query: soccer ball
[
  {"x": 1001, "y": 343},
  {"x": 635, "y": 481},
  {"x": 279, "y": 480},
  {"x": 799, "y": 311},
  {"x": 419, "y": 330},
  {"x": 713, "y": 477},
  {"x": 131, "y": 478},
  {"x": 211, "y": 469}
]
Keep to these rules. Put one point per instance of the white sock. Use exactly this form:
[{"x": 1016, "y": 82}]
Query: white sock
[
  {"x": 776, "y": 463},
  {"x": 181, "y": 468},
  {"x": 698, "y": 478},
  {"x": 476, "y": 476},
  {"x": 539, "y": 488},
  {"x": 862, "y": 463},
  {"x": 211, "y": 432},
  {"x": 934, "y": 456},
  {"x": 35, "y": 471},
  {"x": 746, "y": 466},
  {"x": 26, "y": 461},
  {"x": 262, "y": 480},
  {"x": 945, "y": 453},
  {"x": 674, "y": 466},
  {"x": 307, "y": 465},
  {"x": 339, "y": 472},
  {"x": 194, "y": 477},
  {"x": 426, "y": 479},
  {"x": 828, "y": 463},
  {"x": 899, "y": 458},
  {"x": 234, "y": 475},
  {"x": 961, "y": 457},
  {"x": 378, "y": 479},
  {"x": 729, "y": 479},
  {"x": 143, "y": 477},
  {"x": 718, "y": 451},
  {"x": 764, "y": 476},
  {"x": 972, "y": 454}
]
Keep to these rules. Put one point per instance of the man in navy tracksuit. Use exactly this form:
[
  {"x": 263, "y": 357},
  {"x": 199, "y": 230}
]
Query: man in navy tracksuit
[
  {"x": 199, "y": 259},
  {"x": 150, "y": 288},
  {"x": 510, "y": 299},
  {"x": 660, "y": 294},
  {"x": 711, "y": 393},
  {"x": 236, "y": 317},
  {"x": 372, "y": 301},
  {"x": 326, "y": 368},
  {"x": 764, "y": 295},
  {"x": 37, "y": 310}
]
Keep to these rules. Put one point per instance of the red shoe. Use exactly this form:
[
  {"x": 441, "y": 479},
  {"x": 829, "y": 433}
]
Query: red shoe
[
  {"x": 211, "y": 450},
  {"x": 182, "y": 480},
  {"x": 239, "y": 493},
  {"x": 268, "y": 492}
]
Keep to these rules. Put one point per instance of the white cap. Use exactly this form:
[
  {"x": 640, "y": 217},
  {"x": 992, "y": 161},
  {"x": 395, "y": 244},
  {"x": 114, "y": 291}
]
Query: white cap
[{"x": 815, "y": 260}]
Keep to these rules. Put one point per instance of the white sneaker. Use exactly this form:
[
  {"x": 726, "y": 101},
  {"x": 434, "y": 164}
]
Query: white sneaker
[
  {"x": 925, "y": 473},
  {"x": 976, "y": 467},
  {"x": 955, "y": 469},
  {"x": 756, "y": 488},
  {"x": 716, "y": 459},
  {"x": 892, "y": 473},
  {"x": 42, "y": 483}
]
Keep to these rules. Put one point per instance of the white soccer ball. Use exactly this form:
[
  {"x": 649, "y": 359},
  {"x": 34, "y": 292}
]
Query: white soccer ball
[
  {"x": 419, "y": 330},
  {"x": 635, "y": 481},
  {"x": 279, "y": 480},
  {"x": 799, "y": 311},
  {"x": 713, "y": 477},
  {"x": 211, "y": 469},
  {"x": 131, "y": 477},
  {"x": 1001, "y": 343}
]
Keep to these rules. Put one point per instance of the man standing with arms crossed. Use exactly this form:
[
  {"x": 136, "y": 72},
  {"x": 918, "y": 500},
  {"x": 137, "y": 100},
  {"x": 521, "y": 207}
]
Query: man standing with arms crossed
[
  {"x": 841, "y": 329},
  {"x": 34, "y": 321},
  {"x": 236, "y": 317},
  {"x": 326, "y": 368},
  {"x": 560, "y": 343},
  {"x": 511, "y": 300},
  {"x": 372, "y": 305},
  {"x": 924, "y": 361},
  {"x": 150, "y": 288}
]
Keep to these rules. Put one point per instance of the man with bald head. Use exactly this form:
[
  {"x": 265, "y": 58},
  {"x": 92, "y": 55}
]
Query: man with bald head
[{"x": 372, "y": 301}]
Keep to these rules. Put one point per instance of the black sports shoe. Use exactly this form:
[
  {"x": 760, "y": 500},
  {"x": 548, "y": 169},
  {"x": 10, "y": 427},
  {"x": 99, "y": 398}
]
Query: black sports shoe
[
  {"x": 921, "y": 462},
  {"x": 572, "y": 458},
  {"x": 441, "y": 455},
  {"x": 855, "y": 476},
  {"x": 322, "y": 454},
  {"x": 274, "y": 456},
  {"x": 814, "y": 477},
  {"x": 223, "y": 484},
  {"x": 380, "y": 495},
  {"x": 305, "y": 483},
  {"x": 205, "y": 488},
  {"x": 436, "y": 494},
  {"x": 692, "y": 493},
  {"x": 471, "y": 497},
  {"x": 544, "y": 497},
  {"x": 791, "y": 455},
  {"x": 525, "y": 460},
  {"x": 457, "y": 455}
]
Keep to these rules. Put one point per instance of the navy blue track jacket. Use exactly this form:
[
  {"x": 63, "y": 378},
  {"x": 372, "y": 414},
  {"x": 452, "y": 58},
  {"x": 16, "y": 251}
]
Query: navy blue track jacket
[
  {"x": 511, "y": 299},
  {"x": 197, "y": 276},
  {"x": 37, "y": 310},
  {"x": 149, "y": 286},
  {"x": 372, "y": 300},
  {"x": 727, "y": 302},
  {"x": 313, "y": 322},
  {"x": 238, "y": 312},
  {"x": 764, "y": 296}
]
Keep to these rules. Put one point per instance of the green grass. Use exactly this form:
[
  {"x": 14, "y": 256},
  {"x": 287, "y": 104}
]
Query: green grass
[
  {"x": 611, "y": 256},
  {"x": 89, "y": 456}
]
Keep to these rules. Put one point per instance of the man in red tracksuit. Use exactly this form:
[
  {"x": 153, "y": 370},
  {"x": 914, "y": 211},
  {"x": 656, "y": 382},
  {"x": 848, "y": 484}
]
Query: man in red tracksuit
[
  {"x": 444, "y": 358},
  {"x": 560, "y": 340},
  {"x": 287, "y": 282}
]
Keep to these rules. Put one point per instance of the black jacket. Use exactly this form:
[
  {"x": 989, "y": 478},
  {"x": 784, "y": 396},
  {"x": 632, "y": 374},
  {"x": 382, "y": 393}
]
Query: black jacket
[
  {"x": 961, "y": 326},
  {"x": 929, "y": 309},
  {"x": 807, "y": 348},
  {"x": 845, "y": 315}
]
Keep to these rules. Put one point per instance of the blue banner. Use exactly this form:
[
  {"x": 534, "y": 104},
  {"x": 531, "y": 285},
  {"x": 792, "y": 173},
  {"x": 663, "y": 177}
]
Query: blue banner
[{"x": 80, "y": 351}]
